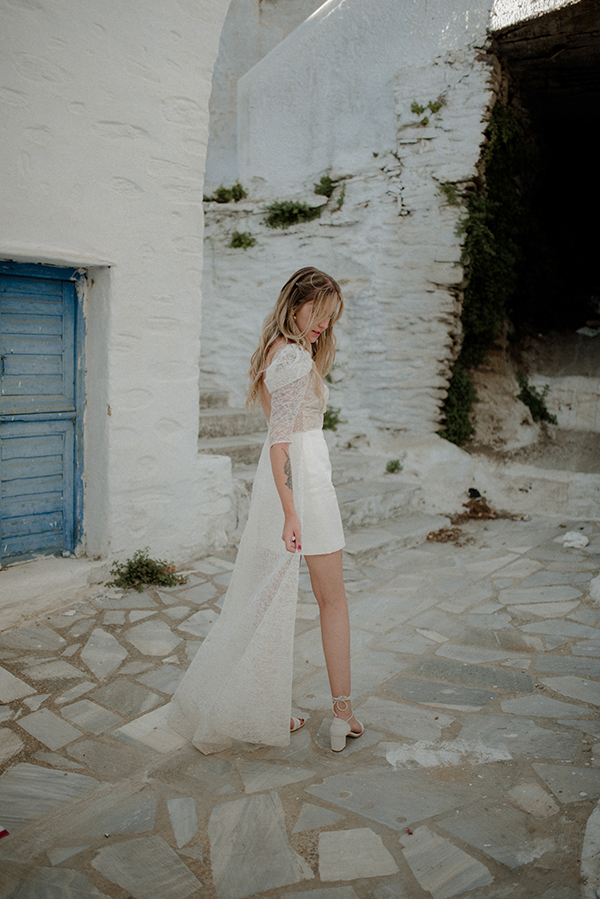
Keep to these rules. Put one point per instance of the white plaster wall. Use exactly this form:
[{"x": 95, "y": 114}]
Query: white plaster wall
[
  {"x": 104, "y": 131},
  {"x": 252, "y": 28},
  {"x": 324, "y": 97},
  {"x": 392, "y": 245},
  {"x": 510, "y": 12}
]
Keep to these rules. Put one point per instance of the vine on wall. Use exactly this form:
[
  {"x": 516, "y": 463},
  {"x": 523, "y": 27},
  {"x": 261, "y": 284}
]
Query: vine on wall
[{"x": 497, "y": 232}]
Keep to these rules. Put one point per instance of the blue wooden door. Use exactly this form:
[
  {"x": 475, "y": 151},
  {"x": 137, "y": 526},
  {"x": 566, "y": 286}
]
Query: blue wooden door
[{"x": 40, "y": 411}]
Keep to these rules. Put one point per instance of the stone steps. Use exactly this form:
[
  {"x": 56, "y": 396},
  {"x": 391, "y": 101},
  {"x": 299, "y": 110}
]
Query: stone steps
[
  {"x": 244, "y": 449},
  {"x": 374, "y": 500},
  {"x": 365, "y": 545},
  {"x": 212, "y": 395},
  {"x": 227, "y": 422},
  {"x": 367, "y": 495}
]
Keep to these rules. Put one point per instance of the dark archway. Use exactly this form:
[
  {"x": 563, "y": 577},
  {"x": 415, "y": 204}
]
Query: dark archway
[{"x": 554, "y": 61}]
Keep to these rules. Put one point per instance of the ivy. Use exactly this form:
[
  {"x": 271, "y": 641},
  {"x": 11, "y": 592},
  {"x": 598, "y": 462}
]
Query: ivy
[
  {"x": 535, "y": 400},
  {"x": 496, "y": 232}
]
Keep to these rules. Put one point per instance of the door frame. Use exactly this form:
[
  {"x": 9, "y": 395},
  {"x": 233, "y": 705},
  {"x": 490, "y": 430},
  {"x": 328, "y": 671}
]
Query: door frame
[{"x": 79, "y": 277}]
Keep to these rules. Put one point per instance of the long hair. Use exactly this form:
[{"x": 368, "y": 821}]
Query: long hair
[{"x": 307, "y": 285}]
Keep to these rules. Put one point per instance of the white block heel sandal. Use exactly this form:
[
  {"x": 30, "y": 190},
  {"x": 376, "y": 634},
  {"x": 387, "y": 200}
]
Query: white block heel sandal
[{"x": 340, "y": 727}]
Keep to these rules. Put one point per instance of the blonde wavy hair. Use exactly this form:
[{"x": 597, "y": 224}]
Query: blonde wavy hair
[{"x": 307, "y": 285}]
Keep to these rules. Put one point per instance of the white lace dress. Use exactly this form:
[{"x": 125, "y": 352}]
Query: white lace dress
[{"x": 239, "y": 685}]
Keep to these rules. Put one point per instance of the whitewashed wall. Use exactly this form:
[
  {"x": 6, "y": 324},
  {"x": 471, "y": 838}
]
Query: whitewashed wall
[
  {"x": 252, "y": 28},
  {"x": 324, "y": 97},
  {"x": 104, "y": 132},
  {"x": 510, "y": 12},
  {"x": 336, "y": 96}
]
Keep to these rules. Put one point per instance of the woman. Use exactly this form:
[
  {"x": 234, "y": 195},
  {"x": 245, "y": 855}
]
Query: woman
[{"x": 239, "y": 685}]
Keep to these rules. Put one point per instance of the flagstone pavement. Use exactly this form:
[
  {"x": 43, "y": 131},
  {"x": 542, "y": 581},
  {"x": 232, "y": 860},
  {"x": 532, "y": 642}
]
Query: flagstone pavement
[{"x": 476, "y": 670}]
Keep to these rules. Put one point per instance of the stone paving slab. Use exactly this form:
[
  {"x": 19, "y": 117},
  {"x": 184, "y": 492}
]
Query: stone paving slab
[
  {"x": 476, "y": 673},
  {"x": 353, "y": 855},
  {"x": 499, "y": 832},
  {"x": 147, "y": 868},
  {"x": 441, "y": 868}
]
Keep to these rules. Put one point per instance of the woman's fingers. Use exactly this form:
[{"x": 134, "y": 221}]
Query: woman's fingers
[{"x": 291, "y": 536}]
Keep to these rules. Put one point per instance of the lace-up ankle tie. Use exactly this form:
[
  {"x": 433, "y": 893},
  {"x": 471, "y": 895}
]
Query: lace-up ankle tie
[{"x": 340, "y": 727}]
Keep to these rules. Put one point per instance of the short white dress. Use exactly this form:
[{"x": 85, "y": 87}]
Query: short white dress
[{"x": 239, "y": 684}]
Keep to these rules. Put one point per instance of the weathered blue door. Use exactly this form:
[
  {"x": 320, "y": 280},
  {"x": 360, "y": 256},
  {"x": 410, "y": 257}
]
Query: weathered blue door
[{"x": 41, "y": 344}]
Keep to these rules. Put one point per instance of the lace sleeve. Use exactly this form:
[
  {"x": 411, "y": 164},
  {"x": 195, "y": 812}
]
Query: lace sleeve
[{"x": 286, "y": 380}]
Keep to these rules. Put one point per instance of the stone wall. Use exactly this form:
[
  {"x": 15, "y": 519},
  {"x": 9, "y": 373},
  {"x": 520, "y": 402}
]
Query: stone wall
[
  {"x": 104, "y": 132},
  {"x": 387, "y": 234}
]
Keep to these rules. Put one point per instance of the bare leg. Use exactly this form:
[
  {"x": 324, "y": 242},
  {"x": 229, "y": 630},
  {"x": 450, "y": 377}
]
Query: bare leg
[{"x": 327, "y": 582}]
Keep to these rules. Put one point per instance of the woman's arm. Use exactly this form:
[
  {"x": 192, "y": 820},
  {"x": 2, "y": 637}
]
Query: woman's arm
[
  {"x": 282, "y": 474},
  {"x": 286, "y": 380}
]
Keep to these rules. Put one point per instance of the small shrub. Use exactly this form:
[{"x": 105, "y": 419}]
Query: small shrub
[
  {"x": 416, "y": 108},
  {"x": 141, "y": 569},
  {"x": 326, "y": 186},
  {"x": 434, "y": 106},
  {"x": 424, "y": 121},
  {"x": 331, "y": 419},
  {"x": 535, "y": 400},
  {"x": 393, "y": 466},
  {"x": 285, "y": 213},
  {"x": 241, "y": 240},
  {"x": 227, "y": 194},
  {"x": 237, "y": 192}
]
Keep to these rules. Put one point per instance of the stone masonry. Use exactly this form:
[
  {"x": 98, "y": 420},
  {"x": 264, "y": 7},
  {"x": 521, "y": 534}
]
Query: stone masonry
[{"x": 476, "y": 669}]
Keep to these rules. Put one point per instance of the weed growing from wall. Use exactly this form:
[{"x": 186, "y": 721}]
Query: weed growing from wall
[
  {"x": 331, "y": 419},
  {"x": 241, "y": 240},
  {"x": 496, "y": 232},
  {"x": 235, "y": 193},
  {"x": 394, "y": 466},
  {"x": 433, "y": 106},
  {"x": 326, "y": 186},
  {"x": 285, "y": 213}
]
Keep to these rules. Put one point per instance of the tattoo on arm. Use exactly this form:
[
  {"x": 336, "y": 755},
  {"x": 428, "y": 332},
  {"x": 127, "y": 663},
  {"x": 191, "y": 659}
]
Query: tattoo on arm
[{"x": 287, "y": 470}]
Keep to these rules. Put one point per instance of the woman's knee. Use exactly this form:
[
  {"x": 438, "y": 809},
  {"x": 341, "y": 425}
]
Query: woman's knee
[{"x": 330, "y": 600}]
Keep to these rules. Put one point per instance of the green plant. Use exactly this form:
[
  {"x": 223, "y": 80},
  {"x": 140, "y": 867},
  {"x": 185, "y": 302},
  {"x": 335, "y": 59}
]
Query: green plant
[
  {"x": 326, "y": 186},
  {"x": 237, "y": 192},
  {"x": 331, "y": 419},
  {"x": 341, "y": 197},
  {"x": 141, "y": 569},
  {"x": 458, "y": 405},
  {"x": 241, "y": 240},
  {"x": 495, "y": 235},
  {"x": 285, "y": 213},
  {"x": 227, "y": 194},
  {"x": 535, "y": 399},
  {"x": 448, "y": 190},
  {"x": 393, "y": 466},
  {"x": 433, "y": 106}
]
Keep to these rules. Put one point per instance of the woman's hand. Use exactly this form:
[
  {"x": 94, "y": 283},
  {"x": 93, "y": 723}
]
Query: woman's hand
[{"x": 291, "y": 533}]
